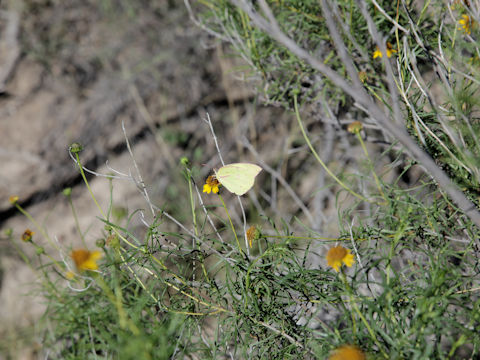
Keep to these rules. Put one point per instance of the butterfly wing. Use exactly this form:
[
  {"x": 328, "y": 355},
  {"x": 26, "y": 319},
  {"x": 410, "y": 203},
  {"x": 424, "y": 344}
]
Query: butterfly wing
[{"x": 238, "y": 178}]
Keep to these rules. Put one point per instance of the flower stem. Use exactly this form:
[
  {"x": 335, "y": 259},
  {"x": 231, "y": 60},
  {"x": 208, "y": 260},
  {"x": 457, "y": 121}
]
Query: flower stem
[
  {"x": 370, "y": 164},
  {"x": 340, "y": 182},
  {"x": 75, "y": 217},
  {"x": 37, "y": 225},
  {"x": 360, "y": 315},
  {"x": 116, "y": 300},
  {"x": 88, "y": 185},
  {"x": 231, "y": 224}
]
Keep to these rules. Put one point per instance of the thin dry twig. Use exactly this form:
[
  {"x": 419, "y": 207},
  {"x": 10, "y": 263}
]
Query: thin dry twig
[{"x": 140, "y": 183}]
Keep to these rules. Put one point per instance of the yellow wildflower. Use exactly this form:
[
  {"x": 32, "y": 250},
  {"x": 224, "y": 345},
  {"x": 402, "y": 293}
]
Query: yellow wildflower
[
  {"x": 86, "y": 260},
  {"x": 355, "y": 127},
  {"x": 69, "y": 275},
  {"x": 252, "y": 234},
  {"x": 467, "y": 24},
  {"x": 27, "y": 235},
  {"x": 347, "y": 352},
  {"x": 362, "y": 75},
  {"x": 211, "y": 185},
  {"x": 390, "y": 51},
  {"x": 13, "y": 199},
  {"x": 338, "y": 255}
]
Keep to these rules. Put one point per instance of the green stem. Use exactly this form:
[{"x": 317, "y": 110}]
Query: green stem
[
  {"x": 22, "y": 254},
  {"x": 88, "y": 185},
  {"x": 116, "y": 300},
  {"x": 297, "y": 113},
  {"x": 37, "y": 225},
  {"x": 360, "y": 315},
  {"x": 370, "y": 164},
  {"x": 75, "y": 217},
  {"x": 349, "y": 290},
  {"x": 231, "y": 224},
  {"x": 98, "y": 205},
  {"x": 192, "y": 202}
]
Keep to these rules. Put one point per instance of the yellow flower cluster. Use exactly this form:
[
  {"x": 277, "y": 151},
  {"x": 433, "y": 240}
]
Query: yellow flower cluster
[{"x": 467, "y": 23}]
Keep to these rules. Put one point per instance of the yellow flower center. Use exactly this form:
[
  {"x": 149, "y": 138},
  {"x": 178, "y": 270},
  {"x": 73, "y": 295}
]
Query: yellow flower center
[
  {"x": 355, "y": 127},
  {"x": 27, "y": 235},
  {"x": 211, "y": 185}
]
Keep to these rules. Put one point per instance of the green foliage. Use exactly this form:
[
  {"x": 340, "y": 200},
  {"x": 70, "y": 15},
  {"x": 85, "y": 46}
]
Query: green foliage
[
  {"x": 409, "y": 294},
  {"x": 86, "y": 323}
]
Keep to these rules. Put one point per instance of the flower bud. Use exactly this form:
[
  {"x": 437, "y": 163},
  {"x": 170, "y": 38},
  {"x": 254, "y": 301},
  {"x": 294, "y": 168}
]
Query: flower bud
[{"x": 75, "y": 148}]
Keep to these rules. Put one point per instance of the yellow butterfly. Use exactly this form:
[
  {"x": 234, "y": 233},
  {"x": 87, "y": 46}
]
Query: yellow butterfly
[{"x": 238, "y": 178}]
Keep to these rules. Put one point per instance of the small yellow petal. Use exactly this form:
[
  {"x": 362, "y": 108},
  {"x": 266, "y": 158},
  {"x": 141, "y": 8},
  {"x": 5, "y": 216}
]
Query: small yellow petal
[
  {"x": 95, "y": 255},
  {"x": 390, "y": 51},
  {"x": 86, "y": 260},
  {"x": 89, "y": 265},
  {"x": 377, "y": 53},
  {"x": 336, "y": 266},
  {"x": 349, "y": 260}
]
